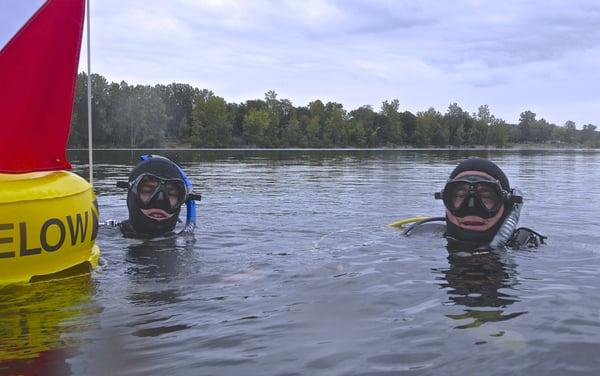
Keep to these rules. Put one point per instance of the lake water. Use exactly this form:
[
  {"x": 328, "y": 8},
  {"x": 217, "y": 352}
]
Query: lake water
[{"x": 294, "y": 272}]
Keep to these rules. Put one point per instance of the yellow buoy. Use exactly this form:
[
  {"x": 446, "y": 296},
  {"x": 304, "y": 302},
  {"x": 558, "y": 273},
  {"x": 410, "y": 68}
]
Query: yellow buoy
[{"x": 48, "y": 226}]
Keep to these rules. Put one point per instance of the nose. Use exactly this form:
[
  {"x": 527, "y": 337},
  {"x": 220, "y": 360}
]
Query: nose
[
  {"x": 471, "y": 202},
  {"x": 161, "y": 195}
]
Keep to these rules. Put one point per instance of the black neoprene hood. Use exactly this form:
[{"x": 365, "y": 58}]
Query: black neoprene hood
[
  {"x": 456, "y": 234},
  {"x": 483, "y": 165},
  {"x": 140, "y": 223},
  {"x": 158, "y": 166}
]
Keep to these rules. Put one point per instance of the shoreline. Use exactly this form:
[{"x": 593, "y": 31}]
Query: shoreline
[{"x": 537, "y": 148}]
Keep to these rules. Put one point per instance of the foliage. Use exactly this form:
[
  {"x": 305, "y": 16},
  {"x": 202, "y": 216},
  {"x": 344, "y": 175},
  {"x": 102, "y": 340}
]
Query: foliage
[
  {"x": 256, "y": 124},
  {"x": 211, "y": 126},
  {"x": 126, "y": 115}
]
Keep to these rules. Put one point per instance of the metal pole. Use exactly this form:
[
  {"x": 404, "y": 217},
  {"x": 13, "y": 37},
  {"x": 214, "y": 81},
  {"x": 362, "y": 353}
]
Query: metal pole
[{"x": 89, "y": 94}]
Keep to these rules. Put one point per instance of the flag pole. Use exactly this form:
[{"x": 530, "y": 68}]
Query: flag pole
[{"x": 89, "y": 94}]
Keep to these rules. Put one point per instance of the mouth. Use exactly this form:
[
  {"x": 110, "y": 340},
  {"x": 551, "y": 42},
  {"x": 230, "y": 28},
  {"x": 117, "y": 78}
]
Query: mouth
[
  {"x": 473, "y": 223},
  {"x": 156, "y": 214}
]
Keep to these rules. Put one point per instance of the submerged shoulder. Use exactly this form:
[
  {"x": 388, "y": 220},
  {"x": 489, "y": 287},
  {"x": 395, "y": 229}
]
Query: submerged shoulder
[{"x": 524, "y": 237}]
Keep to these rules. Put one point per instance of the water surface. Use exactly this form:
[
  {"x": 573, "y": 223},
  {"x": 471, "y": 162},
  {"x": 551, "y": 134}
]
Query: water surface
[{"x": 293, "y": 271}]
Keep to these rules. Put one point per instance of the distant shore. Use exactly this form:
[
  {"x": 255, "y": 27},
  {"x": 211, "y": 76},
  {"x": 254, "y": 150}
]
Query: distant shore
[{"x": 476, "y": 148}]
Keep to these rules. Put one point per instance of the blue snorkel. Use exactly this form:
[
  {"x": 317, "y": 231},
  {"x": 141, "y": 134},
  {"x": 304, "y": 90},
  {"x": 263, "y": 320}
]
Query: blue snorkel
[{"x": 190, "y": 204}]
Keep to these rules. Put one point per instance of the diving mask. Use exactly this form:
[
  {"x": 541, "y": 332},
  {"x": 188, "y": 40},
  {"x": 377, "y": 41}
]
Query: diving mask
[
  {"x": 475, "y": 195},
  {"x": 150, "y": 189}
]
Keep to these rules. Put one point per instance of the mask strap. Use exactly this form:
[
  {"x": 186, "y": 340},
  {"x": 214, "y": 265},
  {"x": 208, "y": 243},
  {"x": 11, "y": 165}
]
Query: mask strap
[{"x": 515, "y": 197}]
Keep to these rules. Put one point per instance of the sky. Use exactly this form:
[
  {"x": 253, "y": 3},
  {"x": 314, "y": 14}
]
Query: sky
[{"x": 542, "y": 56}]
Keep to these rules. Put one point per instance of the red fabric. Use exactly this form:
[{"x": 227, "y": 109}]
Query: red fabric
[{"x": 38, "y": 67}]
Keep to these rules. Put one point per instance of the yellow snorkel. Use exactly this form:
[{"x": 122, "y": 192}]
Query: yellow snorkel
[{"x": 400, "y": 223}]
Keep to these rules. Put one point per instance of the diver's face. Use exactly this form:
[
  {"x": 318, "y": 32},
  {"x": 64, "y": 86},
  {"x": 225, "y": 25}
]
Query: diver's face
[
  {"x": 147, "y": 189},
  {"x": 158, "y": 198},
  {"x": 472, "y": 222}
]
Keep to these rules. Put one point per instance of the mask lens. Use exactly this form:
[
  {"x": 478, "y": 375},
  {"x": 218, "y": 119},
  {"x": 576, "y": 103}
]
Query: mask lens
[
  {"x": 146, "y": 188},
  {"x": 456, "y": 194},
  {"x": 489, "y": 195},
  {"x": 175, "y": 191}
]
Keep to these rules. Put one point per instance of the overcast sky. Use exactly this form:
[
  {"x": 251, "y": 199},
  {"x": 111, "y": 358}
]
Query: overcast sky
[{"x": 542, "y": 56}]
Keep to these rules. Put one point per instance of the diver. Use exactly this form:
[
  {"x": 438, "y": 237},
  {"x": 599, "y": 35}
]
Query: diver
[
  {"x": 156, "y": 190},
  {"x": 482, "y": 211}
]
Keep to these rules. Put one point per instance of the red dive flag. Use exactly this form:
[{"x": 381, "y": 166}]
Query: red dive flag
[{"x": 38, "y": 67}]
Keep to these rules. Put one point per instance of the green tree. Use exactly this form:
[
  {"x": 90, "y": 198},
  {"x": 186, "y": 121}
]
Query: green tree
[
  {"x": 101, "y": 101},
  {"x": 368, "y": 120},
  {"x": 211, "y": 126},
  {"x": 471, "y": 131},
  {"x": 589, "y": 136},
  {"x": 430, "y": 129},
  {"x": 121, "y": 115},
  {"x": 293, "y": 135},
  {"x": 526, "y": 123},
  {"x": 149, "y": 117},
  {"x": 455, "y": 119},
  {"x": 78, "y": 135},
  {"x": 256, "y": 122},
  {"x": 541, "y": 131},
  {"x": 335, "y": 132},
  {"x": 570, "y": 131},
  {"x": 497, "y": 134},
  {"x": 484, "y": 115},
  {"x": 483, "y": 120},
  {"x": 559, "y": 135},
  {"x": 316, "y": 124},
  {"x": 392, "y": 130},
  {"x": 272, "y": 133},
  {"x": 356, "y": 133},
  {"x": 409, "y": 124},
  {"x": 179, "y": 102}
]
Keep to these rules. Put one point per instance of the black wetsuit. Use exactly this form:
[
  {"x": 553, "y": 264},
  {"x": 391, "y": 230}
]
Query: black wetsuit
[
  {"x": 128, "y": 232},
  {"x": 522, "y": 237}
]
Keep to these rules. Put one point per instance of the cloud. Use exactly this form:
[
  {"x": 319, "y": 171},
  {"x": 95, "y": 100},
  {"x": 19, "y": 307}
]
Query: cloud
[
  {"x": 512, "y": 55},
  {"x": 517, "y": 33}
]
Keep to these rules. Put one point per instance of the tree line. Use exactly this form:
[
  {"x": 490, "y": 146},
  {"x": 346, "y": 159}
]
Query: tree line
[{"x": 144, "y": 116}]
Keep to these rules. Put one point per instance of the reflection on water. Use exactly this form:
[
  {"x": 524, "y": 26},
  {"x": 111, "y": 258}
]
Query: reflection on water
[
  {"x": 37, "y": 322},
  {"x": 161, "y": 261},
  {"x": 480, "y": 280}
]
